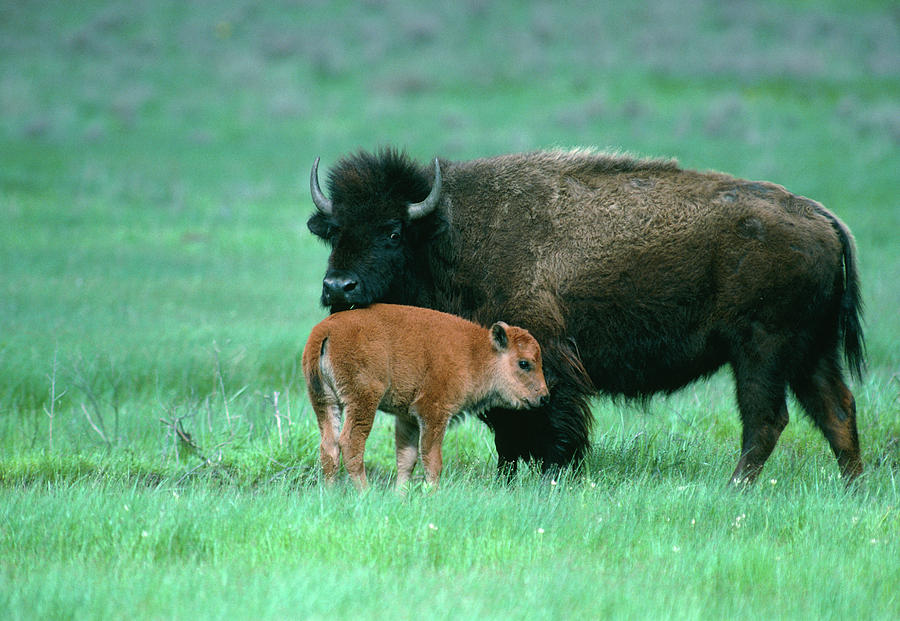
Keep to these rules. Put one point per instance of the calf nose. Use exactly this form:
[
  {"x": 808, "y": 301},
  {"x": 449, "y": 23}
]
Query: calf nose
[
  {"x": 337, "y": 285},
  {"x": 545, "y": 399}
]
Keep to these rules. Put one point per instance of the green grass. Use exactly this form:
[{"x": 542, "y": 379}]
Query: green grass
[
  {"x": 650, "y": 545},
  {"x": 155, "y": 270}
]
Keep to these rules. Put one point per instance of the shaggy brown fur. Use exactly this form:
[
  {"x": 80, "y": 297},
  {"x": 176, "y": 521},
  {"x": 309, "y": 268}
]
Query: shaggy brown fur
[
  {"x": 420, "y": 365},
  {"x": 636, "y": 277}
]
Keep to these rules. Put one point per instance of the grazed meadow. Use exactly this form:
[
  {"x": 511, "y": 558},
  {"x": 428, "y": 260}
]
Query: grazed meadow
[{"x": 157, "y": 282}]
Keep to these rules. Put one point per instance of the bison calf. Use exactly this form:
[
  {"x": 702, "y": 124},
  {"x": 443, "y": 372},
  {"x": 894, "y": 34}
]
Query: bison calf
[{"x": 421, "y": 365}]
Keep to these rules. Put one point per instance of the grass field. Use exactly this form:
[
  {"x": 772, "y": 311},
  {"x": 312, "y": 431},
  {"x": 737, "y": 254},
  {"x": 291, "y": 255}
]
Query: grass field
[{"x": 156, "y": 275}]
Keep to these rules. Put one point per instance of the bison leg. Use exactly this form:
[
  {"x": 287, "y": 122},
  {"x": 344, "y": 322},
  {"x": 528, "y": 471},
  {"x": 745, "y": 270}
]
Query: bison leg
[
  {"x": 406, "y": 438},
  {"x": 830, "y": 404},
  {"x": 555, "y": 435},
  {"x": 359, "y": 417},
  {"x": 511, "y": 433},
  {"x": 762, "y": 428},
  {"x": 761, "y": 401}
]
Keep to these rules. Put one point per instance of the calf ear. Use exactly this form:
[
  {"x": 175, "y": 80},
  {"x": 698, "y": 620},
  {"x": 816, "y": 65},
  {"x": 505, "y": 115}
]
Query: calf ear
[{"x": 498, "y": 336}]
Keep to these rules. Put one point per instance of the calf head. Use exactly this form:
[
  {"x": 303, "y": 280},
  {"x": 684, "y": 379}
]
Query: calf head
[{"x": 517, "y": 371}]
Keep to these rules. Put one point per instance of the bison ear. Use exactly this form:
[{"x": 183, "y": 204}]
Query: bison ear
[
  {"x": 499, "y": 339},
  {"x": 319, "y": 225}
]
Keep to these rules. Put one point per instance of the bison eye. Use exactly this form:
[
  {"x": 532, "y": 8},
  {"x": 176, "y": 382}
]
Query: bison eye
[
  {"x": 524, "y": 365},
  {"x": 395, "y": 236}
]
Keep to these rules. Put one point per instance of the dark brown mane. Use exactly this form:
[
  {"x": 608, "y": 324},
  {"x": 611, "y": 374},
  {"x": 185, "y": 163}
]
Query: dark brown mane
[
  {"x": 387, "y": 177},
  {"x": 601, "y": 162}
]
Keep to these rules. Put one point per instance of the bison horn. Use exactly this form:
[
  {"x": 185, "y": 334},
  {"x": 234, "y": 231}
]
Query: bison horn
[
  {"x": 322, "y": 203},
  {"x": 419, "y": 210}
]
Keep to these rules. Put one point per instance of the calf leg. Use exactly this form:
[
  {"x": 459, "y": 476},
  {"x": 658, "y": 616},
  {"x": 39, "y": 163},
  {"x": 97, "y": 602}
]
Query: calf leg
[
  {"x": 406, "y": 438},
  {"x": 830, "y": 404},
  {"x": 431, "y": 440},
  {"x": 359, "y": 417},
  {"x": 328, "y": 417}
]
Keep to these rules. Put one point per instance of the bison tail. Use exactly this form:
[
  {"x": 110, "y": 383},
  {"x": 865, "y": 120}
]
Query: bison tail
[{"x": 850, "y": 317}]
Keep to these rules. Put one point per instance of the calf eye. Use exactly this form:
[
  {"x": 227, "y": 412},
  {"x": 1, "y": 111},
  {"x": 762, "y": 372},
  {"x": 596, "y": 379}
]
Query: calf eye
[
  {"x": 524, "y": 365},
  {"x": 395, "y": 236}
]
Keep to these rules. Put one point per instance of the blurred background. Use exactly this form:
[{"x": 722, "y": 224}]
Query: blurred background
[{"x": 154, "y": 161}]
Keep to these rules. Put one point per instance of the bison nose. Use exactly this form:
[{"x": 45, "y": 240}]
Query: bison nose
[
  {"x": 338, "y": 285},
  {"x": 545, "y": 399}
]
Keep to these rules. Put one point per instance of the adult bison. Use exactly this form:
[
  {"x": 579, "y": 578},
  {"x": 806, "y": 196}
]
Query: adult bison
[{"x": 636, "y": 277}]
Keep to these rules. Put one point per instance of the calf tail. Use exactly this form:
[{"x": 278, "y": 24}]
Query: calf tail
[
  {"x": 850, "y": 314},
  {"x": 312, "y": 354}
]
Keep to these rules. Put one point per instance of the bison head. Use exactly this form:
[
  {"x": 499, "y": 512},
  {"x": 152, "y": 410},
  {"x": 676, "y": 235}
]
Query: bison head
[{"x": 381, "y": 209}]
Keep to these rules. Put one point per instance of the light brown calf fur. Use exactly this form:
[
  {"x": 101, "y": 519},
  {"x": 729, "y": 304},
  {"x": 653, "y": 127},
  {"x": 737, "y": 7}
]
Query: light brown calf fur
[{"x": 421, "y": 365}]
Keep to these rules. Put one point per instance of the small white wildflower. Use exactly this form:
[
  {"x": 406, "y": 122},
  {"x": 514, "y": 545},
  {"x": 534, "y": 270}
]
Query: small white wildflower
[
  {"x": 676, "y": 549},
  {"x": 431, "y": 526},
  {"x": 773, "y": 481},
  {"x": 126, "y": 507},
  {"x": 593, "y": 484},
  {"x": 693, "y": 522},
  {"x": 854, "y": 519},
  {"x": 175, "y": 493},
  {"x": 873, "y": 541},
  {"x": 553, "y": 482},
  {"x": 145, "y": 534},
  {"x": 540, "y": 531}
]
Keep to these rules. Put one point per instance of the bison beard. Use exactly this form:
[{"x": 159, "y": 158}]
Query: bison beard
[{"x": 635, "y": 276}]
